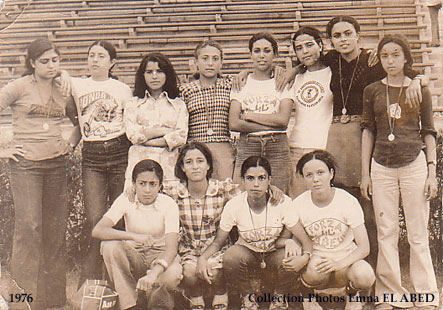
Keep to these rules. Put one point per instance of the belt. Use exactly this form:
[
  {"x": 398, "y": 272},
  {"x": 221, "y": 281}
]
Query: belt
[{"x": 344, "y": 119}]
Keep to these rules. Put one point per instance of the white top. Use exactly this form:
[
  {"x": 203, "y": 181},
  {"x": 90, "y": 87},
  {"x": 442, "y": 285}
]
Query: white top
[
  {"x": 257, "y": 232},
  {"x": 313, "y": 109},
  {"x": 328, "y": 227},
  {"x": 100, "y": 106},
  {"x": 157, "y": 219},
  {"x": 260, "y": 96},
  {"x": 143, "y": 114}
]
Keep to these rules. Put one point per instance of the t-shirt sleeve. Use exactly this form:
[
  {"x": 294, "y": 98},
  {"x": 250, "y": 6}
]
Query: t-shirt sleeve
[
  {"x": 287, "y": 94},
  {"x": 426, "y": 114},
  {"x": 118, "y": 209},
  {"x": 171, "y": 216},
  {"x": 228, "y": 219},
  {"x": 236, "y": 95},
  {"x": 291, "y": 216},
  {"x": 354, "y": 213},
  {"x": 368, "y": 118},
  {"x": 8, "y": 94}
]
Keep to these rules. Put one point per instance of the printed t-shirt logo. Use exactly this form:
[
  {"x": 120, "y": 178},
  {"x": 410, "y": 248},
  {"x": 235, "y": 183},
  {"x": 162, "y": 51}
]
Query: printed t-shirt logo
[
  {"x": 327, "y": 233},
  {"x": 310, "y": 93},
  {"x": 266, "y": 104},
  {"x": 100, "y": 110}
]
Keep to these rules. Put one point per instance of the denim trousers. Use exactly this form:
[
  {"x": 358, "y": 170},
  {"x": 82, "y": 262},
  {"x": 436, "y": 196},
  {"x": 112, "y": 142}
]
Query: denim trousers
[
  {"x": 297, "y": 184},
  {"x": 275, "y": 148},
  {"x": 126, "y": 265},
  {"x": 223, "y": 159},
  {"x": 38, "y": 262},
  {"x": 103, "y": 173},
  {"x": 389, "y": 184},
  {"x": 238, "y": 261}
]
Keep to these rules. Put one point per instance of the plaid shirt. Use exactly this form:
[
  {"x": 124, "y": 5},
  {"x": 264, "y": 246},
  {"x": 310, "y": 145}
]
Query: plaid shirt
[
  {"x": 198, "y": 228},
  {"x": 217, "y": 99}
]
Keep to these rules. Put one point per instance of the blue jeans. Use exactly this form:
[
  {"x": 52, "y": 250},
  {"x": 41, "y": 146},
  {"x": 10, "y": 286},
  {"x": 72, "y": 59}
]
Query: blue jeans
[
  {"x": 38, "y": 262},
  {"x": 238, "y": 261},
  {"x": 103, "y": 173},
  {"x": 274, "y": 147}
]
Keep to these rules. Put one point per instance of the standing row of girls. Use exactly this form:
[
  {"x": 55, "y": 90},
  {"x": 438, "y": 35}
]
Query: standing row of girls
[{"x": 157, "y": 122}]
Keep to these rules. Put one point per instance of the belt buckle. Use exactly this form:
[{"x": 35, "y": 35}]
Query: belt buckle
[{"x": 345, "y": 118}]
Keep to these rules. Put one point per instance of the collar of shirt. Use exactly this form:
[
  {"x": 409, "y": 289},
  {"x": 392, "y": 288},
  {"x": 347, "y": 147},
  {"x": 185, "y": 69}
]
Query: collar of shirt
[
  {"x": 212, "y": 190},
  {"x": 163, "y": 97},
  {"x": 137, "y": 202}
]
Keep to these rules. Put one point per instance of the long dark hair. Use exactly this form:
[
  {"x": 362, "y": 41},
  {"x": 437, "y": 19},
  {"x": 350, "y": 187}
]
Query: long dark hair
[
  {"x": 342, "y": 18},
  {"x": 110, "y": 48},
  {"x": 35, "y": 49},
  {"x": 165, "y": 65},
  {"x": 313, "y": 32}
]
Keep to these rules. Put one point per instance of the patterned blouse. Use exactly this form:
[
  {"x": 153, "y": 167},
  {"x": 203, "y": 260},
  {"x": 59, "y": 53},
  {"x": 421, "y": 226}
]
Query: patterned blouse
[
  {"x": 200, "y": 218},
  {"x": 208, "y": 107},
  {"x": 142, "y": 114}
]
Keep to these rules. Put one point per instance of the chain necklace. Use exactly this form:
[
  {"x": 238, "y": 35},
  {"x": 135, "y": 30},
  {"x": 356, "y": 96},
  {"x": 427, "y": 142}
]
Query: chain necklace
[
  {"x": 49, "y": 103},
  {"x": 209, "y": 117},
  {"x": 262, "y": 254},
  {"x": 391, "y": 113},
  {"x": 345, "y": 118}
]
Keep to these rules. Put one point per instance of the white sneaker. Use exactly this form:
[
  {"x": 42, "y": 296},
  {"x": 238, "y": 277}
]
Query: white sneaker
[
  {"x": 311, "y": 305},
  {"x": 354, "y": 305},
  {"x": 248, "y": 303},
  {"x": 278, "y": 303}
]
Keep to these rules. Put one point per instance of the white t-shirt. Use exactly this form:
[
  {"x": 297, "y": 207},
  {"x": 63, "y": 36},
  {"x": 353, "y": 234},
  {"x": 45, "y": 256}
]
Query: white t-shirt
[
  {"x": 257, "y": 232},
  {"x": 260, "y": 96},
  {"x": 100, "y": 106},
  {"x": 329, "y": 227},
  {"x": 157, "y": 219},
  {"x": 313, "y": 109}
]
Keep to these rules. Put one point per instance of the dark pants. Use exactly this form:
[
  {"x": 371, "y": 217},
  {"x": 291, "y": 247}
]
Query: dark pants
[
  {"x": 38, "y": 262},
  {"x": 103, "y": 174},
  {"x": 238, "y": 261}
]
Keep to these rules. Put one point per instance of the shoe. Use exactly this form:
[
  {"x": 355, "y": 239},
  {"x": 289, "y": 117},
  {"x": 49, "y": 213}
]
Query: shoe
[
  {"x": 220, "y": 302},
  {"x": 278, "y": 303},
  {"x": 311, "y": 305},
  {"x": 354, "y": 305},
  {"x": 197, "y": 303},
  {"x": 248, "y": 303},
  {"x": 384, "y": 306}
]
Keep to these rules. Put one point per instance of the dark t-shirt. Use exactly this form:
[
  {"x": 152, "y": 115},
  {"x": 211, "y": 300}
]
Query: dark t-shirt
[
  {"x": 364, "y": 75},
  {"x": 409, "y": 129}
]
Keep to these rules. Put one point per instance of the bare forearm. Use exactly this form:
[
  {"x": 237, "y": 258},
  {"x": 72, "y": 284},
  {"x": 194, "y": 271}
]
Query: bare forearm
[{"x": 366, "y": 151}]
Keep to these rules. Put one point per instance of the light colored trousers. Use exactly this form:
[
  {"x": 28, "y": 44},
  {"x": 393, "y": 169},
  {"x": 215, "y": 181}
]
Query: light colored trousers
[
  {"x": 126, "y": 265},
  {"x": 388, "y": 185}
]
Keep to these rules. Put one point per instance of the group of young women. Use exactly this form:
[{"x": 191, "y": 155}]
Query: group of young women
[{"x": 162, "y": 158}]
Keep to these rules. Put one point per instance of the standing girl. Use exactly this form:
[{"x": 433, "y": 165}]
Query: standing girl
[
  {"x": 100, "y": 103},
  {"x": 156, "y": 119},
  {"x": 394, "y": 165},
  {"x": 38, "y": 176},
  {"x": 261, "y": 114},
  {"x": 208, "y": 101},
  {"x": 313, "y": 101}
]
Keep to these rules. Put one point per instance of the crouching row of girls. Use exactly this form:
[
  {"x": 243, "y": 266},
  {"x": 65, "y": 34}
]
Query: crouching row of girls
[
  {"x": 327, "y": 247},
  {"x": 158, "y": 122}
]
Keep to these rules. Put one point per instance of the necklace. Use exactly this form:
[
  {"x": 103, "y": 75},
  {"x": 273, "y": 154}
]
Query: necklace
[
  {"x": 194, "y": 202},
  {"x": 262, "y": 254},
  {"x": 205, "y": 91},
  {"x": 46, "y": 106},
  {"x": 345, "y": 118},
  {"x": 393, "y": 110}
]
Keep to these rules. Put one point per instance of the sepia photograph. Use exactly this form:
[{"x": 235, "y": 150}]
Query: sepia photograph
[{"x": 221, "y": 154}]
